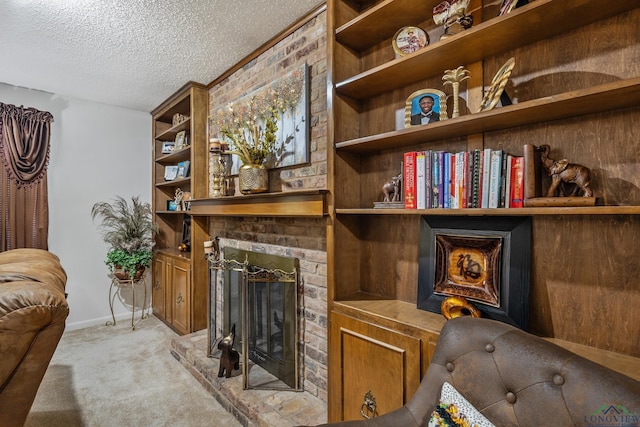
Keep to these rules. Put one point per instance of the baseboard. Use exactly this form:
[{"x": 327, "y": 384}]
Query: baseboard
[{"x": 99, "y": 321}]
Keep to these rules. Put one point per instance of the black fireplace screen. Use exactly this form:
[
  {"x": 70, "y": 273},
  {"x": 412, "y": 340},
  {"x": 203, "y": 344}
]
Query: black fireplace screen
[{"x": 266, "y": 317}]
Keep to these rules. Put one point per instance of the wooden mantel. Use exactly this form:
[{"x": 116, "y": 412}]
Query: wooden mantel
[{"x": 303, "y": 203}]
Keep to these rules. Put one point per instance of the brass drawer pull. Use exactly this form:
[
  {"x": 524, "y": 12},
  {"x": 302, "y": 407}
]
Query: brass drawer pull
[{"x": 368, "y": 408}]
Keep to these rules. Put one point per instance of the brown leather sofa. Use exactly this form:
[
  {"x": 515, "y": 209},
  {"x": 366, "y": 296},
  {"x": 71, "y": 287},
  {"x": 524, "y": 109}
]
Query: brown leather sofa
[
  {"x": 517, "y": 379},
  {"x": 33, "y": 312}
]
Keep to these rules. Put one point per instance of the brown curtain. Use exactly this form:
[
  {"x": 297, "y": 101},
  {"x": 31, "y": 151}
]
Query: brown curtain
[{"x": 24, "y": 151}]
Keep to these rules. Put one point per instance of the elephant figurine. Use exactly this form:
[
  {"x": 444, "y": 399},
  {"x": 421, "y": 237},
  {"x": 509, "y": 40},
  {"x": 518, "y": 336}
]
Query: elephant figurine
[
  {"x": 391, "y": 189},
  {"x": 562, "y": 172}
]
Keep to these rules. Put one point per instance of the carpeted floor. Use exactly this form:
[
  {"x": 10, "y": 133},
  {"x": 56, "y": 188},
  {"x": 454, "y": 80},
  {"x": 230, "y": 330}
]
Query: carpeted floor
[{"x": 107, "y": 376}]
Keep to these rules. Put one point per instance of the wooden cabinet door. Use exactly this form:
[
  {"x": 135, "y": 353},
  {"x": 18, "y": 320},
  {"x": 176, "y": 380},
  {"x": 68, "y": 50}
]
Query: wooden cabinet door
[
  {"x": 375, "y": 360},
  {"x": 159, "y": 283},
  {"x": 181, "y": 298}
]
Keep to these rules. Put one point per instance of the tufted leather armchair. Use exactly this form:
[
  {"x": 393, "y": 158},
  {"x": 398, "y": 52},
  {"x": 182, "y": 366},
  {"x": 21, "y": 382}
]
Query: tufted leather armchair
[
  {"x": 33, "y": 311},
  {"x": 516, "y": 379}
]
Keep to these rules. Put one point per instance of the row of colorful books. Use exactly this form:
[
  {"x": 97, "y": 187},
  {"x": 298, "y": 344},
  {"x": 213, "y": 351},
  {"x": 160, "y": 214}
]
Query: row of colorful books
[{"x": 467, "y": 179}]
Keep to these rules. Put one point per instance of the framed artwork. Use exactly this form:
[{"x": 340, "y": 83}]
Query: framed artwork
[
  {"x": 180, "y": 140},
  {"x": 170, "y": 172},
  {"x": 168, "y": 147},
  {"x": 293, "y": 134},
  {"x": 409, "y": 39},
  {"x": 499, "y": 82},
  {"x": 183, "y": 169},
  {"x": 484, "y": 259},
  {"x": 425, "y": 106}
]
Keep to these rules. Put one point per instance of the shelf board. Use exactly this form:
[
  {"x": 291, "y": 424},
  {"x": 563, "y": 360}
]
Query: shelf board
[
  {"x": 170, "y": 134},
  {"x": 608, "y": 96},
  {"x": 381, "y": 22},
  {"x": 175, "y": 157},
  {"x": 539, "y": 20},
  {"x": 172, "y": 212},
  {"x": 590, "y": 210},
  {"x": 174, "y": 183},
  {"x": 307, "y": 203}
]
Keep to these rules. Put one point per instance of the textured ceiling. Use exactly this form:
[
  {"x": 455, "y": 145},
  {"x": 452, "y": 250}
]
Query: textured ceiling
[{"x": 133, "y": 53}]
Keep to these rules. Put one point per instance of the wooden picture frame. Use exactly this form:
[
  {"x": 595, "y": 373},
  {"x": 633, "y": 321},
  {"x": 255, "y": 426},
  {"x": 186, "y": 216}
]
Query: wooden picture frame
[
  {"x": 413, "y": 110},
  {"x": 168, "y": 147},
  {"x": 180, "y": 140},
  {"x": 509, "y": 266},
  {"x": 170, "y": 172}
]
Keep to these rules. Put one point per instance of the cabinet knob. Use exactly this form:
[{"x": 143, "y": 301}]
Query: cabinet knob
[
  {"x": 157, "y": 285},
  {"x": 368, "y": 408},
  {"x": 179, "y": 299}
]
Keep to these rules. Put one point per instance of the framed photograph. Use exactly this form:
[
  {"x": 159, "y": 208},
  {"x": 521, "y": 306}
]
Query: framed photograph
[
  {"x": 409, "y": 39},
  {"x": 170, "y": 172},
  {"x": 484, "y": 259},
  {"x": 499, "y": 82},
  {"x": 180, "y": 140},
  {"x": 425, "y": 106},
  {"x": 168, "y": 147},
  {"x": 183, "y": 169}
]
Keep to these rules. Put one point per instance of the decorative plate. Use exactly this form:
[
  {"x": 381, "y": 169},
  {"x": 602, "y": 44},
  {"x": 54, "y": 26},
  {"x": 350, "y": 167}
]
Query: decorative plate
[
  {"x": 492, "y": 96},
  {"x": 410, "y": 39}
]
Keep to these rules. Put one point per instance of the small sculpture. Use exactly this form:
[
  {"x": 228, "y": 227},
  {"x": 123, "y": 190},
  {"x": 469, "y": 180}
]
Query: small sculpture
[
  {"x": 230, "y": 358},
  {"x": 453, "y": 78},
  {"x": 452, "y": 14},
  {"x": 562, "y": 172},
  {"x": 391, "y": 189}
]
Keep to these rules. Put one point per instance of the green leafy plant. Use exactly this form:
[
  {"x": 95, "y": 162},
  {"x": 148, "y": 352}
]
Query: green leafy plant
[{"x": 129, "y": 230}]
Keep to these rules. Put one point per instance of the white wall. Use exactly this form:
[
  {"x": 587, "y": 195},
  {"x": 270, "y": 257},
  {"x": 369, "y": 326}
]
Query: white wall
[{"x": 97, "y": 151}]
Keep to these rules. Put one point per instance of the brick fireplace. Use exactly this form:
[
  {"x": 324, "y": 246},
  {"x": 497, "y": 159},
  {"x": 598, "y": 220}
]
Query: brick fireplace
[{"x": 311, "y": 313}]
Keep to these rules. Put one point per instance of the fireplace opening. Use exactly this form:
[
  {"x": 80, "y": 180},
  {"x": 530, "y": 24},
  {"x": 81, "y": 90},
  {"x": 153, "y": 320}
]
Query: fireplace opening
[{"x": 260, "y": 297}]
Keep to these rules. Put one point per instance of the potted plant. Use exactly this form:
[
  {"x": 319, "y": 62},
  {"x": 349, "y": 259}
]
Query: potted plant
[{"x": 129, "y": 230}]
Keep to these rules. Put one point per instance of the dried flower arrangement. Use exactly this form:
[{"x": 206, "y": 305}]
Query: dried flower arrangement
[{"x": 250, "y": 124}]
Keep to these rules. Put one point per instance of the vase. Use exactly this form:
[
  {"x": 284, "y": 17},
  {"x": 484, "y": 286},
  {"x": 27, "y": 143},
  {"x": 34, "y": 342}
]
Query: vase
[
  {"x": 123, "y": 276},
  {"x": 253, "y": 179}
]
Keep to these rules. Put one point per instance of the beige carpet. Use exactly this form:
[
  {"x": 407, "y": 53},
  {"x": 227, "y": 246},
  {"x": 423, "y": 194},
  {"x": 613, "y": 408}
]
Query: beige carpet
[{"x": 107, "y": 376}]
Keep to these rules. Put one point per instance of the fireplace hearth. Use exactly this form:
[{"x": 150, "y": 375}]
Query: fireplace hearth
[{"x": 260, "y": 297}]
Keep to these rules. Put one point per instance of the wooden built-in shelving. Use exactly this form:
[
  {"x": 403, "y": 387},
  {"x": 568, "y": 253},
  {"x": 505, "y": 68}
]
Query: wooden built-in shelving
[
  {"x": 608, "y": 96},
  {"x": 539, "y": 20}
]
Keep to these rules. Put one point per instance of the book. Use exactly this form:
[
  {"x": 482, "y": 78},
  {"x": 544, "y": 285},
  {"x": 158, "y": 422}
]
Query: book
[
  {"x": 436, "y": 179},
  {"x": 446, "y": 180},
  {"x": 409, "y": 180},
  {"x": 459, "y": 180},
  {"x": 517, "y": 182},
  {"x": 507, "y": 182},
  {"x": 495, "y": 178},
  {"x": 420, "y": 180},
  {"x": 428, "y": 176},
  {"x": 503, "y": 180},
  {"x": 475, "y": 179},
  {"x": 441, "y": 179},
  {"x": 486, "y": 168}
]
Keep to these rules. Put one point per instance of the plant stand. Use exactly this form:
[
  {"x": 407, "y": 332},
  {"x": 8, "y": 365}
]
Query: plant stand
[{"x": 113, "y": 291}]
